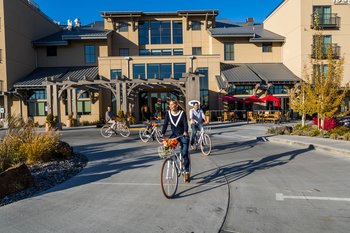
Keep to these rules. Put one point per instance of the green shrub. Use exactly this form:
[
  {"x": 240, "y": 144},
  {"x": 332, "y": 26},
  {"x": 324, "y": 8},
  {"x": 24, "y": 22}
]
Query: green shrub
[
  {"x": 280, "y": 130},
  {"x": 341, "y": 130},
  {"x": 334, "y": 136},
  {"x": 314, "y": 133},
  {"x": 347, "y": 136},
  {"x": 22, "y": 144}
]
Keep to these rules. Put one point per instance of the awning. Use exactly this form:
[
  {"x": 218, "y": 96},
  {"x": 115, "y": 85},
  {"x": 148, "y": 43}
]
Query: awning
[
  {"x": 239, "y": 73},
  {"x": 221, "y": 83},
  {"x": 274, "y": 73},
  {"x": 57, "y": 74},
  {"x": 254, "y": 73}
]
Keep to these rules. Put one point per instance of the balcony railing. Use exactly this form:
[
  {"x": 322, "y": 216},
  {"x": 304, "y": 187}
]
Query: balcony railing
[
  {"x": 325, "y": 21},
  {"x": 335, "y": 51}
]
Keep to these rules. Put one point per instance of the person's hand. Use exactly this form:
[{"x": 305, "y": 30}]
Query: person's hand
[{"x": 185, "y": 134}]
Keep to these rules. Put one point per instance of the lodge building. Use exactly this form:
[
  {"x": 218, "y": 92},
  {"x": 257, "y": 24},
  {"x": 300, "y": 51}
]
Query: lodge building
[{"x": 136, "y": 58}]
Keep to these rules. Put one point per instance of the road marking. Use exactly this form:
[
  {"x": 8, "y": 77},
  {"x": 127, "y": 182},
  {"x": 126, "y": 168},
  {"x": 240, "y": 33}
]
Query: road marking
[
  {"x": 281, "y": 197},
  {"x": 152, "y": 184}
]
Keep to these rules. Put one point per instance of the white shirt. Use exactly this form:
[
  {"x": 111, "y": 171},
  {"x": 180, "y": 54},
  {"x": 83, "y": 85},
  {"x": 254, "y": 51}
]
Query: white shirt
[{"x": 197, "y": 116}]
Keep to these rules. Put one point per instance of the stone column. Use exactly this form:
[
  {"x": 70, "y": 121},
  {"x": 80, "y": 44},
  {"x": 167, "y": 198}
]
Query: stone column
[
  {"x": 69, "y": 101},
  {"x": 117, "y": 101},
  {"x": 74, "y": 103},
  {"x": 124, "y": 108}
]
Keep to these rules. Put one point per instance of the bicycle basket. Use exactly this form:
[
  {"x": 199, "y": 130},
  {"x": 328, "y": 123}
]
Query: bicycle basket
[{"x": 163, "y": 151}]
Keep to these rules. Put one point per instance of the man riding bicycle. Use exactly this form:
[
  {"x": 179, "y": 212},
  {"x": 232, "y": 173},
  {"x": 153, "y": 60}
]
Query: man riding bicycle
[
  {"x": 179, "y": 128},
  {"x": 197, "y": 118},
  {"x": 109, "y": 116}
]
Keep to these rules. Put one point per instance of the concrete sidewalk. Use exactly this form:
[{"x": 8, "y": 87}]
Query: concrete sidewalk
[{"x": 325, "y": 144}]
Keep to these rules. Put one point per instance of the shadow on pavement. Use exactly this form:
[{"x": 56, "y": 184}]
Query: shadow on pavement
[{"x": 232, "y": 172}]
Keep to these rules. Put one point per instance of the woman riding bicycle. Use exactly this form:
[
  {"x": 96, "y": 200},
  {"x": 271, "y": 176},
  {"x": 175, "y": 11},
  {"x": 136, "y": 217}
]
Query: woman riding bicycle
[
  {"x": 197, "y": 118},
  {"x": 179, "y": 127}
]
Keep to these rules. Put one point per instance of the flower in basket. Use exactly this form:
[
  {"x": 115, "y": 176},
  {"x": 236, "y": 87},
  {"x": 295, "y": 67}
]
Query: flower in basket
[
  {"x": 168, "y": 145},
  {"x": 154, "y": 123}
]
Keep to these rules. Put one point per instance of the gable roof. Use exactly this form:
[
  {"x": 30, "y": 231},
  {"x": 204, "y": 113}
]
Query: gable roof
[
  {"x": 256, "y": 32},
  {"x": 94, "y": 31}
]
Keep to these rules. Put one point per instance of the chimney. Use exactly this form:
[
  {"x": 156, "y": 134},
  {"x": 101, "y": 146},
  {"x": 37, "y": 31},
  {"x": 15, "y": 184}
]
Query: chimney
[{"x": 249, "y": 21}]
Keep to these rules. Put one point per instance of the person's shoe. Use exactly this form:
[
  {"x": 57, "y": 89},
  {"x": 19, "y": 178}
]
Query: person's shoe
[
  {"x": 192, "y": 147},
  {"x": 187, "y": 177}
]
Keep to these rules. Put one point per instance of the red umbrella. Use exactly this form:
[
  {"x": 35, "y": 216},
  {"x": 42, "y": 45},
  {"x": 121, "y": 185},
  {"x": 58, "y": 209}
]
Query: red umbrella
[
  {"x": 272, "y": 98},
  {"x": 230, "y": 98},
  {"x": 252, "y": 99}
]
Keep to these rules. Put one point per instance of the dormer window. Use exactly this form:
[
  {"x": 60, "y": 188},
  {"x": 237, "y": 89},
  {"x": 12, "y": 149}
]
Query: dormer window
[
  {"x": 123, "y": 27},
  {"x": 196, "y": 25}
]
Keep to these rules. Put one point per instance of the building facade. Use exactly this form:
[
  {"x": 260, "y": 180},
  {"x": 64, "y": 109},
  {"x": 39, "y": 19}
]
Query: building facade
[
  {"x": 334, "y": 22},
  {"x": 136, "y": 58}
]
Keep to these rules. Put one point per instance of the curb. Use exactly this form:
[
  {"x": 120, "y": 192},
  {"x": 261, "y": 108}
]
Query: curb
[{"x": 315, "y": 146}]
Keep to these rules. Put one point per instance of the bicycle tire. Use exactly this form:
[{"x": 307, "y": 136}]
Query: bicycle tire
[
  {"x": 143, "y": 136},
  {"x": 158, "y": 137},
  {"x": 205, "y": 145},
  {"x": 169, "y": 178},
  {"x": 106, "y": 131},
  {"x": 124, "y": 131}
]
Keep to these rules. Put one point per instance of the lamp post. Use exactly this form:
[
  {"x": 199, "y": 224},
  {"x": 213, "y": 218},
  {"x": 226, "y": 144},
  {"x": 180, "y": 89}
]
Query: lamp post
[{"x": 192, "y": 58}]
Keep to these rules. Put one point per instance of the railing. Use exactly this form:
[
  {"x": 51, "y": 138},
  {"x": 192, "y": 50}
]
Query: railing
[
  {"x": 335, "y": 51},
  {"x": 325, "y": 21}
]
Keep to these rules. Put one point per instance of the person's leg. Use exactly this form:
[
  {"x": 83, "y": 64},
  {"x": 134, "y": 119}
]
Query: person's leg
[
  {"x": 194, "y": 132},
  {"x": 184, "y": 141}
]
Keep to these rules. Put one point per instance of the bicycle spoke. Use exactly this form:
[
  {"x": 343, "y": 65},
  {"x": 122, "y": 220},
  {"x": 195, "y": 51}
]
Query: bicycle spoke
[
  {"x": 169, "y": 179},
  {"x": 205, "y": 144}
]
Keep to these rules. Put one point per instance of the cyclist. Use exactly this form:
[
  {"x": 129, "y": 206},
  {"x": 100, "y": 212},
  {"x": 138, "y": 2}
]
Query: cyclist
[
  {"x": 110, "y": 116},
  {"x": 146, "y": 117},
  {"x": 179, "y": 128},
  {"x": 197, "y": 119}
]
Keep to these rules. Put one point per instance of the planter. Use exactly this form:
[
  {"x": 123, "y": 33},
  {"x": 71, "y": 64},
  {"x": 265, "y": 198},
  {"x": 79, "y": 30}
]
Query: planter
[{"x": 69, "y": 123}]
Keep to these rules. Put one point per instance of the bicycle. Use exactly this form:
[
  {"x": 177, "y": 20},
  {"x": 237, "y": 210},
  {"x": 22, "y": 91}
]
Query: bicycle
[
  {"x": 155, "y": 133},
  {"x": 172, "y": 168},
  {"x": 116, "y": 127},
  {"x": 202, "y": 140}
]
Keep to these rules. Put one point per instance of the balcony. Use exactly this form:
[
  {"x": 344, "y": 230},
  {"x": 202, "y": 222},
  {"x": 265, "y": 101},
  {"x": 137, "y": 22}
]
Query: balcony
[
  {"x": 335, "y": 51},
  {"x": 326, "y": 21}
]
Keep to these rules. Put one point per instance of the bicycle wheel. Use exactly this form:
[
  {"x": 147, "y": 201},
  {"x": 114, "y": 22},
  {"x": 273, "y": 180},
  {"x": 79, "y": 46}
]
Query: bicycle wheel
[
  {"x": 205, "y": 144},
  {"x": 106, "y": 131},
  {"x": 168, "y": 178},
  {"x": 143, "y": 135},
  {"x": 124, "y": 131},
  {"x": 158, "y": 137}
]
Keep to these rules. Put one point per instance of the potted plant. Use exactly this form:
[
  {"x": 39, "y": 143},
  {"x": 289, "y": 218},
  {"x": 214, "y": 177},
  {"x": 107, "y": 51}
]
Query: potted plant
[
  {"x": 207, "y": 115},
  {"x": 50, "y": 122},
  {"x": 69, "y": 121}
]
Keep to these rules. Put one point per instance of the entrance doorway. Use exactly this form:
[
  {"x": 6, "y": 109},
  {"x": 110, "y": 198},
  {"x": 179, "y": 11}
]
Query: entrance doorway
[{"x": 157, "y": 101}]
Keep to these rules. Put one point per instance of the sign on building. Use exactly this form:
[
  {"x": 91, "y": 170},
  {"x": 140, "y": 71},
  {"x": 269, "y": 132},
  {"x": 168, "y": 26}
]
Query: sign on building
[{"x": 341, "y": 2}]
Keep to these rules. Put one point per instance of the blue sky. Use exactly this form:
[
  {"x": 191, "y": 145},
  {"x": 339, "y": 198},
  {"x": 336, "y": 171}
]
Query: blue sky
[{"x": 89, "y": 10}]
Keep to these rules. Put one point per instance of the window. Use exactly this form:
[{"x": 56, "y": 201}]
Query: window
[
  {"x": 37, "y": 103},
  {"x": 323, "y": 13},
  {"x": 243, "y": 90},
  {"x": 51, "y": 51},
  {"x": 266, "y": 47},
  {"x": 197, "y": 51},
  {"x": 177, "y": 32},
  {"x": 228, "y": 51},
  {"x": 161, "y": 52},
  {"x": 156, "y": 52},
  {"x": 116, "y": 73},
  {"x": 139, "y": 71},
  {"x": 165, "y": 70},
  {"x": 124, "y": 52},
  {"x": 84, "y": 107},
  {"x": 123, "y": 27},
  {"x": 159, "y": 71},
  {"x": 143, "y": 32},
  {"x": 320, "y": 69},
  {"x": 144, "y": 52},
  {"x": 160, "y": 32},
  {"x": 177, "y": 52},
  {"x": 90, "y": 54},
  {"x": 196, "y": 25},
  {"x": 152, "y": 71},
  {"x": 179, "y": 68},
  {"x": 325, "y": 41},
  {"x": 204, "y": 85},
  {"x": 278, "y": 89}
]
